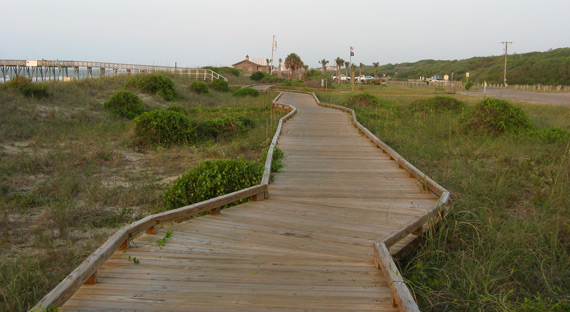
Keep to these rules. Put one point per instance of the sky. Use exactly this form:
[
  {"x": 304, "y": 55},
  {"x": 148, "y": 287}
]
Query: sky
[{"x": 195, "y": 33}]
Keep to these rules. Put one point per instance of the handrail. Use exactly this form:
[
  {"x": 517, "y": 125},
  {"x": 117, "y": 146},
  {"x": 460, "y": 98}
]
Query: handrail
[
  {"x": 88, "y": 268},
  {"x": 267, "y": 171},
  {"x": 206, "y": 72},
  {"x": 401, "y": 295}
]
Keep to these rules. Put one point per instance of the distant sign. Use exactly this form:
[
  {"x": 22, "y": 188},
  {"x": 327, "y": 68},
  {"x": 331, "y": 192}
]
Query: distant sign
[
  {"x": 32, "y": 63},
  {"x": 446, "y": 77},
  {"x": 467, "y": 74}
]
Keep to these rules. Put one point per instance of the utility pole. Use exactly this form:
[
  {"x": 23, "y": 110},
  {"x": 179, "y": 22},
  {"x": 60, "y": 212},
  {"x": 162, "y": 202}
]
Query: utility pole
[{"x": 506, "y": 43}]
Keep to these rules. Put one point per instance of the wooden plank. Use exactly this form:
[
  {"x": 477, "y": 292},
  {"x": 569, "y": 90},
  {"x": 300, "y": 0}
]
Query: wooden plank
[{"x": 306, "y": 247}]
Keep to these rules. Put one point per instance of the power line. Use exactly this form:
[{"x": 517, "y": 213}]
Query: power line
[{"x": 506, "y": 43}]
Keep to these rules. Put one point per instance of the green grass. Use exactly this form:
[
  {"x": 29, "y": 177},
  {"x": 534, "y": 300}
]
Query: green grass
[
  {"x": 71, "y": 172},
  {"x": 505, "y": 244}
]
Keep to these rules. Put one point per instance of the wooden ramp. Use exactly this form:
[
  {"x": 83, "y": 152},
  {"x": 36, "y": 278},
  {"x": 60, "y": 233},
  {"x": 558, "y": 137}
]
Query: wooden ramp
[{"x": 309, "y": 247}]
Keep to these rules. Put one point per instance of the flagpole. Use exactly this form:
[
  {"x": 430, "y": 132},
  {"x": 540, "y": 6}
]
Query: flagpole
[
  {"x": 272, "y": 49},
  {"x": 350, "y": 56}
]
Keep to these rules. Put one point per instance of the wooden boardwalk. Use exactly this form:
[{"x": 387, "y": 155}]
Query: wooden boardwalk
[{"x": 309, "y": 247}]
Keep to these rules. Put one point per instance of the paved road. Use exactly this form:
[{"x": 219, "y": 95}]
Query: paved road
[{"x": 526, "y": 96}]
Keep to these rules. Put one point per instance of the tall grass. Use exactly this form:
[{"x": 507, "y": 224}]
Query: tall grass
[
  {"x": 70, "y": 173},
  {"x": 505, "y": 245}
]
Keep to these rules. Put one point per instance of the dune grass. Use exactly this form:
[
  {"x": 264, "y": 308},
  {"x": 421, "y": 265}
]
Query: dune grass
[
  {"x": 71, "y": 172},
  {"x": 505, "y": 245}
]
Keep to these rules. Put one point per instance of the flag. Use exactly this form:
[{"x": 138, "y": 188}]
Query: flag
[{"x": 351, "y": 51}]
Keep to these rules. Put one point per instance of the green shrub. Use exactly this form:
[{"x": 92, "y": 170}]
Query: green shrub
[
  {"x": 495, "y": 116},
  {"x": 438, "y": 104},
  {"x": 125, "y": 104},
  {"x": 199, "y": 87},
  {"x": 179, "y": 109},
  {"x": 212, "y": 178},
  {"x": 154, "y": 84},
  {"x": 220, "y": 85},
  {"x": 285, "y": 83},
  {"x": 257, "y": 76},
  {"x": 27, "y": 88},
  {"x": 362, "y": 100},
  {"x": 276, "y": 160},
  {"x": 163, "y": 127},
  {"x": 468, "y": 85},
  {"x": 246, "y": 92},
  {"x": 222, "y": 127},
  {"x": 555, "y": 135}
]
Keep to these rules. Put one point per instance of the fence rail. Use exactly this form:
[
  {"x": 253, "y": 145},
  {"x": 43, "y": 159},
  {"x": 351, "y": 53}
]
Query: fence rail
[{"x": 59, "y": 70}]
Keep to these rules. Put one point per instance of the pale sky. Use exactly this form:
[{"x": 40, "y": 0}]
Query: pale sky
[{"x": 220, "y": 33}]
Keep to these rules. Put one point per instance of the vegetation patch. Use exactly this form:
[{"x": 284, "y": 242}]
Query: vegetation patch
[
  {"x": 212, "y": 178},
  {"x": 28, "y": 88},
  {"x": 362, "y": 100},
  {"x": 468, "y": 85},
  {"x": 222, "y": 127},
  {"x": 555, "y": 135},
  {"x": 220, "y": 85},
  {"x": 438, "y": 104},
  {"x": 163, "y": 127},
  {"x": 246, "y": 92},
  {"x": 125, "y": 104},
  {"x": 495, "y": 117},
  {"x": 154, "y": 84},
  {"x": 178, "y": 108},
  {"x": 257, "y": 76},
  {"x": 199, "y": 87}
]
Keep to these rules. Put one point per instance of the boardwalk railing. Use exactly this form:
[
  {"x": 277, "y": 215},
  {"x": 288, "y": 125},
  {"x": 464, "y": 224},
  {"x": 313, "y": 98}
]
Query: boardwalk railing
[
  {"x": 86, "y": 272},
  {"x": 56, "y": 70},
  {"x": 401, "y": 295}
]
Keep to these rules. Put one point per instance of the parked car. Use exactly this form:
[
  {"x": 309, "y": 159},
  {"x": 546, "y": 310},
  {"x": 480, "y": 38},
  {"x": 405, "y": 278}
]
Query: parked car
[
  {"x": 436, "y": 79},
  {"x": 342, "y": 78}
]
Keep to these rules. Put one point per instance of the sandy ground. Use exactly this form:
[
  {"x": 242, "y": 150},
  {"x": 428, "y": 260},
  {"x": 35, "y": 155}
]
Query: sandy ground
[{"x": 526, "y": 96}]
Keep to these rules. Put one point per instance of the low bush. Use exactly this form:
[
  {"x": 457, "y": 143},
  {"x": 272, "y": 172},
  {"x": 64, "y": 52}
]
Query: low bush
[
  {"x": 210, "y": 179},
  {"x": 163, "y": 127},
  {"x": 271, "y": 79},
  {"x": 154, "y": 84},
  {"x": 438, "y": 104},
  {"x": 222, "y": 127},
  {"x": 28, "y": 88},
  {"x": 555, "y": 135},
  {"x": 362, "y": 100},
  {"x": 257, "y": 76},
  {"x": 199, "y": 87},
  {"x": 179, "y": 109},
  {"x": 246, "y": 92},
  {"x": 468, "y": 85},
  {"x": 220, "y": 85},
  {"x": 125, "y": 104},
  {"x": 495, "y": 117}
]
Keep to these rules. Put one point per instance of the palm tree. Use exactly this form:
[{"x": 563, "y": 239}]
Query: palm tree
[
  {"x": 279, "y": 69},
  {"x": 305, "y": 68},
  {"x": 339, "y": 62},
  {"x": 353, "y": 70},
  {"x": 324, "y": 63},
  {"x": 376, "y": 65},
  {"x": 346, "y": 64},
  {"x": 361, "y": 66},
  {"x": 293, "y": 62}
]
